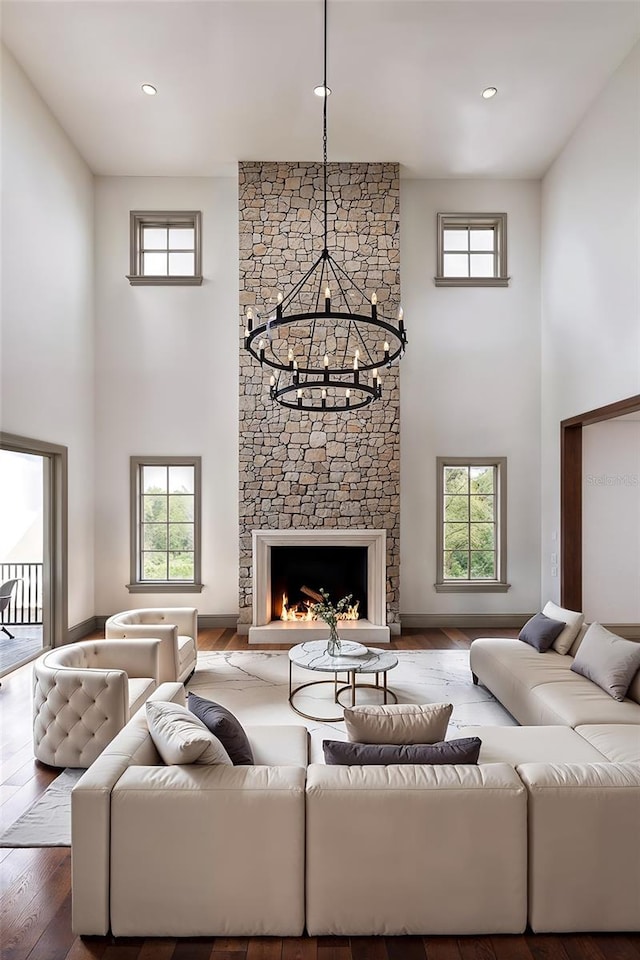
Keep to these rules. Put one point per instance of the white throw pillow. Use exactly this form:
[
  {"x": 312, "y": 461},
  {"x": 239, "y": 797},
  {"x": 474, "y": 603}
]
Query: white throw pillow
[
  {"x": 573, "y": 620},
  {"x": 398, "y": 723},
  {"x": 179, "y": 736}
]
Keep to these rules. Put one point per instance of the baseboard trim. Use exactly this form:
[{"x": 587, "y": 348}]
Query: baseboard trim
[
  {"x": 630, "y": 631},
  {"x": 217, "y": 621},
  {"x": 206, "y": 621},
  {"x": 462, "y": 620},
  {"x": 83, "y": 629}
]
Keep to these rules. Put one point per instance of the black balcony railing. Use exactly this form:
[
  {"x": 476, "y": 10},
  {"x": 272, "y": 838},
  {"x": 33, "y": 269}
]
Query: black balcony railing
[{"x": 25, "y": 605}]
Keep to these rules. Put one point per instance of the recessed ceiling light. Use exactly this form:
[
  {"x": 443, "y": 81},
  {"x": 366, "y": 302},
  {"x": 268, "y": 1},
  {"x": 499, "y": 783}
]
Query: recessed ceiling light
[
  {"x": 322, "y": 91},
  {"x": 489, "y": 92},
  {"x": 151, "y": 91}
]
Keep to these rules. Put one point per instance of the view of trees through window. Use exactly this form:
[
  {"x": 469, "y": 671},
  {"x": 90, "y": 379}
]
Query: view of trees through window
[
  {"x": 167, "y": 527},
  {"x": 470, "y": 523}
]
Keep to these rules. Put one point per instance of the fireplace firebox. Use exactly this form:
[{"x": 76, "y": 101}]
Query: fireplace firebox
[{"x": 340, "y": 571}]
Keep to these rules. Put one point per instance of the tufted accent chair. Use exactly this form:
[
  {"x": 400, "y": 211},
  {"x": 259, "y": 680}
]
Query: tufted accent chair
[
  {"x": 84, "y": 694},
  {"x": 177, "y": 627}
]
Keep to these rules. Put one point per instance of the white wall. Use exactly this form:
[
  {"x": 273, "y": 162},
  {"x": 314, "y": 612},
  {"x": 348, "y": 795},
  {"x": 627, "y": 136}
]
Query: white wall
[
  {"x": 47, "y": 304},
  {"x": 611, "y": 521},
  {"x": 590, "y": 278},
  {"x": 470, "y": 386},
  {"x": 167, "y": 382}
]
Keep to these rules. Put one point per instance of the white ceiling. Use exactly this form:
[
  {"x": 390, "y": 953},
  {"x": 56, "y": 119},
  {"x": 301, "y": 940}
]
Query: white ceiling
[{"x": 235, "y": 80}]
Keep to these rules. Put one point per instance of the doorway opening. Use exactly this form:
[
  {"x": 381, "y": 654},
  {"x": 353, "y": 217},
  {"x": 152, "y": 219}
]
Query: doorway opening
[{"x": 33, "y": 607}]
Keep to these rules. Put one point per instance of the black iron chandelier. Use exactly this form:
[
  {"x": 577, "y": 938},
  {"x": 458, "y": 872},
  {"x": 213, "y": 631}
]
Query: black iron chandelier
[{"x": 326, "y": 341}]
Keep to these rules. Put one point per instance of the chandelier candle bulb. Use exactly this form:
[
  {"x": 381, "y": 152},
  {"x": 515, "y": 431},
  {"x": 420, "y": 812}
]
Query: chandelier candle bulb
[
  {"x": 279, "y": 306},
  {"x": 324, "y": 399},
  {"x": 386, "y": 352},
  {"x": 291, "y": 360},
  {"x": 249, "y": 319},
  {"x": 347, "y": 395},
  {"x": 261, "y": 349},
  {"x": 401, "y": 320},
  {"x": 327, "y": 299},
  {"x": 374, "y": 306}
]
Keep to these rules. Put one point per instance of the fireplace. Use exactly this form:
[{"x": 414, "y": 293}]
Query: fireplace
[
  {"x": 299, "y": 572},
  {"x": 289, "y": 566}
]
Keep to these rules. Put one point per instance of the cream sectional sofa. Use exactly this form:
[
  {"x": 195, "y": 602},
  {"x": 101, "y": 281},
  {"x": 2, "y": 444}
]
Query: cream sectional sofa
[
  {"x": 190, "y": 850},
  {"x": 543, "y": 830},
  {"x": 540, "y": 688},
  {"x": 578, "y": 755}
]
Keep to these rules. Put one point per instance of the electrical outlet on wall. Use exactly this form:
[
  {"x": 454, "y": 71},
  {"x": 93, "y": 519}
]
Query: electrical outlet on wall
[{"x": 554, "y": 571}]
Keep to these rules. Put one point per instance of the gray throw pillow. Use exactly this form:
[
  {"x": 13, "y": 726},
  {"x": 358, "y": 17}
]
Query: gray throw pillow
[
  {"x": 227, "y": 728},
  {"x": 465, "y": 750},
  {"x": 607, "y": 660},
  {"x": 540, "y": 632}
]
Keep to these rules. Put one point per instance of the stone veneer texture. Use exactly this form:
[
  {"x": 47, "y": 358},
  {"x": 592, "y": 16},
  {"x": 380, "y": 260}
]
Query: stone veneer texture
[{"x": 321, "y": 470}]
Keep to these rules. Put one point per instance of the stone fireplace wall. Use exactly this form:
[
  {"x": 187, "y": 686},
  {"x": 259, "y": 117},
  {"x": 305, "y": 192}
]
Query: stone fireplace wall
[{"x": 317, "y": 470}]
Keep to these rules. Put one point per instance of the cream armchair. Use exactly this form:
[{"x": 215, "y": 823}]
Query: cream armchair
[
  {"x": 176, "y": 626},
  {"x": 84, "y": 694}
]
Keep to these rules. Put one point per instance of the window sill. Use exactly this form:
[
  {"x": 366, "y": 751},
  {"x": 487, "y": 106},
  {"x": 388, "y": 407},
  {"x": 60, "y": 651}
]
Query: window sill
[
  {"x": 137, "y": 281},
  {"x": 163, "y": 586},
  {"x": 472, "y": 586},
  {"x": 471, "y": 281}
]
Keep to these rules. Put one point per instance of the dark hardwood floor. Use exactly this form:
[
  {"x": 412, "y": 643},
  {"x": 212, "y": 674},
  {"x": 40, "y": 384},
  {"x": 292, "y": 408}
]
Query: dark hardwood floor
[{"x": 35, "y": 890}]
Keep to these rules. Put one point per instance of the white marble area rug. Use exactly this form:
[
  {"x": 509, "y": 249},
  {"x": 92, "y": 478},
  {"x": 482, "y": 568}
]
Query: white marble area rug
[
  {"x": 47, "y": 822},
  {"x": 254, "y": 686}
]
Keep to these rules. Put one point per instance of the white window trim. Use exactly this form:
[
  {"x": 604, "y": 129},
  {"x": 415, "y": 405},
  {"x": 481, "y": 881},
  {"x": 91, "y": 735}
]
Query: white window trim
[
  {"x": 498, "y": 221},
  {"x": 138, "y": 219},
  {"x": 473, "y": 586},
  {"x": 136, "y": 585}
]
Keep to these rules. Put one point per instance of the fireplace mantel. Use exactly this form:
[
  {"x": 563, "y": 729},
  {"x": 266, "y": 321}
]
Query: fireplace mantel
[{"x": 372, "y": 630}]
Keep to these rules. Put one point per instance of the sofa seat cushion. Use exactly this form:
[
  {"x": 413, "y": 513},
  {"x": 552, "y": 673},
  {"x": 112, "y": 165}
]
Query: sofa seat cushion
[
  {"x": 579, "y": 701},
  {"x": 139, "y": 690},
  {"x": 186, "y": 652},
  {"x": 542, "y": 744},
  {"x": 510, "y": 669},
  {"x": 522, "y": 661},
  {"x": 279, "y": 746},
  {"x": 618, "y": 742}
]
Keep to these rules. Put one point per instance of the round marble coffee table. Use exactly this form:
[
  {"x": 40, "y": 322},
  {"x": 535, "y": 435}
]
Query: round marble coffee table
[{"x": 355, "y": 659}]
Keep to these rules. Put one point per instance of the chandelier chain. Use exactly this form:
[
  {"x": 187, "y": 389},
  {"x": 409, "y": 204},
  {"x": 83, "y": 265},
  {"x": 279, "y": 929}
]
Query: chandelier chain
[{"x": 324, "y": 127}]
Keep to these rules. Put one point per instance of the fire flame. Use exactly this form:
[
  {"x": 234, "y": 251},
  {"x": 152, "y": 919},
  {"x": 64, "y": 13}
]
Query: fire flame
[{"x": 293, "y": 613}]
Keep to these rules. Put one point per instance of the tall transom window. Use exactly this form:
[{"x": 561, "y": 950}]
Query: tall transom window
[
  {"x": 165, "y": 523},
  {"x": 472, "y": 542}
]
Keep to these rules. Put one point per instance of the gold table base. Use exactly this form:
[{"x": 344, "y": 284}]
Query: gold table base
[{"x": 352, "y": 685}]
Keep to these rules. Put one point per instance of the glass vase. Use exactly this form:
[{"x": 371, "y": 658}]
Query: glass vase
[{"x": 334, "y": 646}]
